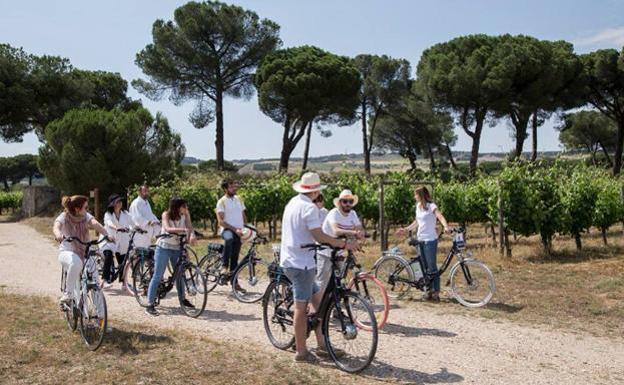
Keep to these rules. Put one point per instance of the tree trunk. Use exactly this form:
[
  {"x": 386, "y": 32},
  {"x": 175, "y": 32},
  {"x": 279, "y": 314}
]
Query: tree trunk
[
  {"x": 306, "y": 151},
  {"x": 493, "y": 234},
  {"x": 577, "y": 240},
  {"x": 617, "y": 162},
  {"x": 520, "y": 123},
  {"x": 30, "y": 177},
  {"x": 286, "y": 148},
  {"x": 367, "y": 165},
  {"x": 219, "y": 130},
  {"x": 412, "y": 161},
  {"x": 450, "y": 155},
  {"x": 606, "y": 153},
  {"x": 432, "y": 163},
  {"x": 604, "y": 235},
  {"x": 534, "y": 136},
  {"x": 6, "y": 184},
  {"x": 476, "y": 141}
]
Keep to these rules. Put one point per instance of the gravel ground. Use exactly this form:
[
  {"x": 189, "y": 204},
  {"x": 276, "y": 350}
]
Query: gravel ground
[{"x": 417, "y": 346}]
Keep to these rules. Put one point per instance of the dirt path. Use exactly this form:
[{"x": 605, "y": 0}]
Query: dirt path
[{"x": 416, "y": 346}]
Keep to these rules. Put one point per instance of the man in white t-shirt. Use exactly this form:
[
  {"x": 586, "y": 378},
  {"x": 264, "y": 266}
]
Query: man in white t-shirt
[
  {"x": 342, "y": 220},
  {"x": 231, "y": 216},
  {"x": 143, "y": 218},
  {"x": 301, "y": 225}
]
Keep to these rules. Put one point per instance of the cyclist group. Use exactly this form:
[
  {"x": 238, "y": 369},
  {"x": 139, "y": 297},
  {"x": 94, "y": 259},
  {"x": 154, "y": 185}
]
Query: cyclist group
[{"x": 304, "y": 221}]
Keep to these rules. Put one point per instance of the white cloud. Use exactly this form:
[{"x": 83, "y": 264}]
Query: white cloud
[{"x": 609, "y": 37}]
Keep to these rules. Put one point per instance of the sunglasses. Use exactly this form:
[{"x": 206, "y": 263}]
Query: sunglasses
[{"x": 347, "y": 201}]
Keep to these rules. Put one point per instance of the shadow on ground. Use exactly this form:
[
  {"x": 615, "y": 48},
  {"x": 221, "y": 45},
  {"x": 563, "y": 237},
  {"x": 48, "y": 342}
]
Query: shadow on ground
[
  {"x": 410, "y": 331},
  {"x": 384, "y": 372},
  {"x": 133, "y": 343}
]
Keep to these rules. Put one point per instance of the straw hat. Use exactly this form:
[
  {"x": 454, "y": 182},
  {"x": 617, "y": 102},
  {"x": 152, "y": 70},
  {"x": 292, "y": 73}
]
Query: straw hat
[
  {"x": 310, "y": 182},
  {"x": 346, "y": 194}
]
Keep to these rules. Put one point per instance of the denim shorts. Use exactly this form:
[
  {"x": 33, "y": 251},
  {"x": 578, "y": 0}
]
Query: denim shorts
[{"x": 303, "y": 282}]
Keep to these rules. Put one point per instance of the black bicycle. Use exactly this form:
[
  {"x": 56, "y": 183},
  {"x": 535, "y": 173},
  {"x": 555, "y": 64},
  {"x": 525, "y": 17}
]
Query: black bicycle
[
  {"x": 471, "y": 281},
  {"x": 122, "y": 270},
  {"x": 347, "y": 320},
  {"x": 89, "y": 305},
  {"x": 251, "y": 276},
  {"x": 185, "y": 273}
]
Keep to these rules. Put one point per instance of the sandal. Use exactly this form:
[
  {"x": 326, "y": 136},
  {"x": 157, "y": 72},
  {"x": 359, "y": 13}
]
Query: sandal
[{"x": 306, "y": 358}]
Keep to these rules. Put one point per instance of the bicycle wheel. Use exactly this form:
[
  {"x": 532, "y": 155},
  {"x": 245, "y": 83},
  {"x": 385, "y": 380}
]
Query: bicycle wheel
[
  {"x": 93, "y": 318},
  {"x": 350, "y": 347},
  {"x": 69, "y": 312},
  {"x": 142, "y": 272},
  {"x": 372, "y": 290},
  {"x": 194, "y": 285},
  {"x": 126, "y": 274},
  {"x": 253, "y": 278},
  {"x": 395, "y": 274},
  {"x": 472, "y": 283},
  {"x": 210, "y": 266},
  {"x": 278, "y": 313}
]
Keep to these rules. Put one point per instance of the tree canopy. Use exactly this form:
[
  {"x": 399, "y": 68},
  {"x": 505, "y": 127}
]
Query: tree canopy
[
  {"x": 383, "y": 79},
  {"x": 588, "y": 130},
  {"x": 463, "y": 76},
  {"x": 34, "y": 90},
  {"x": 604, "y": 80},
  {"x": 110, "y": 150},
  {"x": 209, "y": 50},
  {"x": 303, "y": 84}
]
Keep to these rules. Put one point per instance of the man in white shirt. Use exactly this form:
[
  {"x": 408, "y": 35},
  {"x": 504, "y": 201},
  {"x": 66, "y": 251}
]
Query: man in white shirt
[
  {"x": 143, "y": 218},
  {"x": 301, "y": 225},
  {"x": 342, "y": 220},
  {"x": 231, "y": 217}
]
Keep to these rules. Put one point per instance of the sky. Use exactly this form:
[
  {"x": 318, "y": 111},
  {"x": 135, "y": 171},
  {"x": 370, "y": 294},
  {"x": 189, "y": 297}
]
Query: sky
[{"x": 106, "y": 35}]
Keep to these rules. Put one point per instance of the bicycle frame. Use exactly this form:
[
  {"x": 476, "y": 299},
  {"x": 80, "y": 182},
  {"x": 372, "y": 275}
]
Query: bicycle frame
[{"x": 165, "y": 286}]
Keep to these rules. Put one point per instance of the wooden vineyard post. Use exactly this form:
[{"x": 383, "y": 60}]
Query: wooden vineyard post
[
  {"x": 501, "y": 224},
  {"x": 382, "y": 218},
  {"x": 95, "y": 194}
]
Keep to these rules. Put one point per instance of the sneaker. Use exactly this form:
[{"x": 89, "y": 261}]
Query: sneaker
[
  {"x": 151, "y": 310},
  {"x": 186, "y": 303}
]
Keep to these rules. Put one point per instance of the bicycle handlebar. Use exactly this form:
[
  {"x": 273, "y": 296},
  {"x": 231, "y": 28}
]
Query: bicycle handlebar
[{"x": 90, "y": 243}]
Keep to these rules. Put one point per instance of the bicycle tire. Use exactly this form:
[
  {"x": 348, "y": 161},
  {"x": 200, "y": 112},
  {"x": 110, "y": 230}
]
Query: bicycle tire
[
  {"x": 384, "y": 269},
  {"x": 277, "y": 312},
  {"x": 127, "y": 274},
  {"x": 380, "y": 303},
  {"x": 194, "y": 284},
  {"x": 69, "y": 312},
  {"x": 331, "y": 322},
  {"x": 141, "y": 276},
  {"x": 210, "y": 267},
  {"x": 255, "y": 286},
  {"x": 93, "y": 335},
  {"x": 473, "y": 266}
]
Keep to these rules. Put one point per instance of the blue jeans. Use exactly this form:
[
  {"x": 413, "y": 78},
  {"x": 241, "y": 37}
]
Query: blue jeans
[
  {"x": 231, "y": 250},
  {"x": 161, "y": 257},
  {"x": 429, "y": 252}
]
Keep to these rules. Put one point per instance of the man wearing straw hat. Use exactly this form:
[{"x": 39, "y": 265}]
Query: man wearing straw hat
[
  {"x": 341, "y": 220},
  {"x": 301, "y": 225}
]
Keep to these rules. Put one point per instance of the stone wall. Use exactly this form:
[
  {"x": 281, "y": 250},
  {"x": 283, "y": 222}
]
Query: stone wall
[{"x": 39, "y": 199}]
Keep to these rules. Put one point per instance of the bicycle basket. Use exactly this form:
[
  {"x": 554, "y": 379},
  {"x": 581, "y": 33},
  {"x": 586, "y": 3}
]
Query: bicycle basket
[
  {"x": 215, "y": 248},
  {"x": 458, "y": 241}
]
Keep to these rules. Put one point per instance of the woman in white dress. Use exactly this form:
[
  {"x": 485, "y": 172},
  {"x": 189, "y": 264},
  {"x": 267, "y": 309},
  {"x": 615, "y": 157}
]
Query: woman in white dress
[{"x": 116, "y": 221}]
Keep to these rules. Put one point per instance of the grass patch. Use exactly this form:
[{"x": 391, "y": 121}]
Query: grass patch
[{"x": 36, "y": 347}]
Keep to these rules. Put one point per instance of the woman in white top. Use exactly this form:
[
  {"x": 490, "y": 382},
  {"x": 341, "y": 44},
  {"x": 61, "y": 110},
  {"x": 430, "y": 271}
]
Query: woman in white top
[
  {"x": 427, "y": 215},
  {"x": 116, "y": 221},
  {"x": 176, "y": 220},
  {"x": 74, "y": 222}
]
